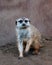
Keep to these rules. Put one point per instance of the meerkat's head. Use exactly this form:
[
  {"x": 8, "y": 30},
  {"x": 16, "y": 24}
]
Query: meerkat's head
[{"x": 22, "y": 23}]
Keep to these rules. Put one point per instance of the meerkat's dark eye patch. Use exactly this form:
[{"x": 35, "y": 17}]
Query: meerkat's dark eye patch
[
  {"x": 16, "y": 22},
  {"x": 20, "y": 21},
  {"x": 26, "y": 21}
]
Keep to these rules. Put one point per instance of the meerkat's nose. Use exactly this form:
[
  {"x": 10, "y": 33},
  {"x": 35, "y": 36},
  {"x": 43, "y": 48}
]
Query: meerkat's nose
[{"x": 23, "y": 24}]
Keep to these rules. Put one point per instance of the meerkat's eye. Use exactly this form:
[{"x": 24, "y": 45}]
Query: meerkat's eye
[
  {"x": 26, "y": 21},
  {"x": 20, "y": 21}
]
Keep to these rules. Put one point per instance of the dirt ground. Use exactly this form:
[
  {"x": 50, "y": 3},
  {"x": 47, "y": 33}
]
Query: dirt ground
[{"x": 9, "y": 55}]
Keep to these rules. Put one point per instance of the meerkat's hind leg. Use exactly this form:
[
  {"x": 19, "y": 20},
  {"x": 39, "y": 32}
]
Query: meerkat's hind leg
[{"x": 36, "y": 46}]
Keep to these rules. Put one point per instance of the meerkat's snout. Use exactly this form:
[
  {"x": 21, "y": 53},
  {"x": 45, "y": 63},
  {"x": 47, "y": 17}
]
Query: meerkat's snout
[{"x": 23, "y": 25}]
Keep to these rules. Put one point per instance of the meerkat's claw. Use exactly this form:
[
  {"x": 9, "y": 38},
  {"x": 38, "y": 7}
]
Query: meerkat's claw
[{"x": 20, "y": 57}]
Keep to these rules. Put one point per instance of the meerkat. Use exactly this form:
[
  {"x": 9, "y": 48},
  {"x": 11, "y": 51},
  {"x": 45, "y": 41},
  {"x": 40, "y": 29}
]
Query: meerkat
[{"x": 26, "y": 32}]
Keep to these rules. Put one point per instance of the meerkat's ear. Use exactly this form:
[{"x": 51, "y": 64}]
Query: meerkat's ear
[{"x": 16, "y": 22}]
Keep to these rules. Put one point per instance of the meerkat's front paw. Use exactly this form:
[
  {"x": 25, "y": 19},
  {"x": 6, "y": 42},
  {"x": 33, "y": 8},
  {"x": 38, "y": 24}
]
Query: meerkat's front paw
[
  {"x": 26, "y": 54},
  {"x": 20, "y": 56}
]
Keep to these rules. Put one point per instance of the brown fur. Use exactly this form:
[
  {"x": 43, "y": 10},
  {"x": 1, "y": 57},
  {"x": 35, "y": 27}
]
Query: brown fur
[{"x": 35, "y": 39}]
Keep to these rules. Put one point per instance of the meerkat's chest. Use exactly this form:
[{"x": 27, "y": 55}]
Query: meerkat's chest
[{"x": 24, "y": 34}]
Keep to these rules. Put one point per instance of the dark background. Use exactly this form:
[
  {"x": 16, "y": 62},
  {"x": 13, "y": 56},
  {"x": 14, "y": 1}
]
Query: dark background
[{"x": 39, "y": 12}]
